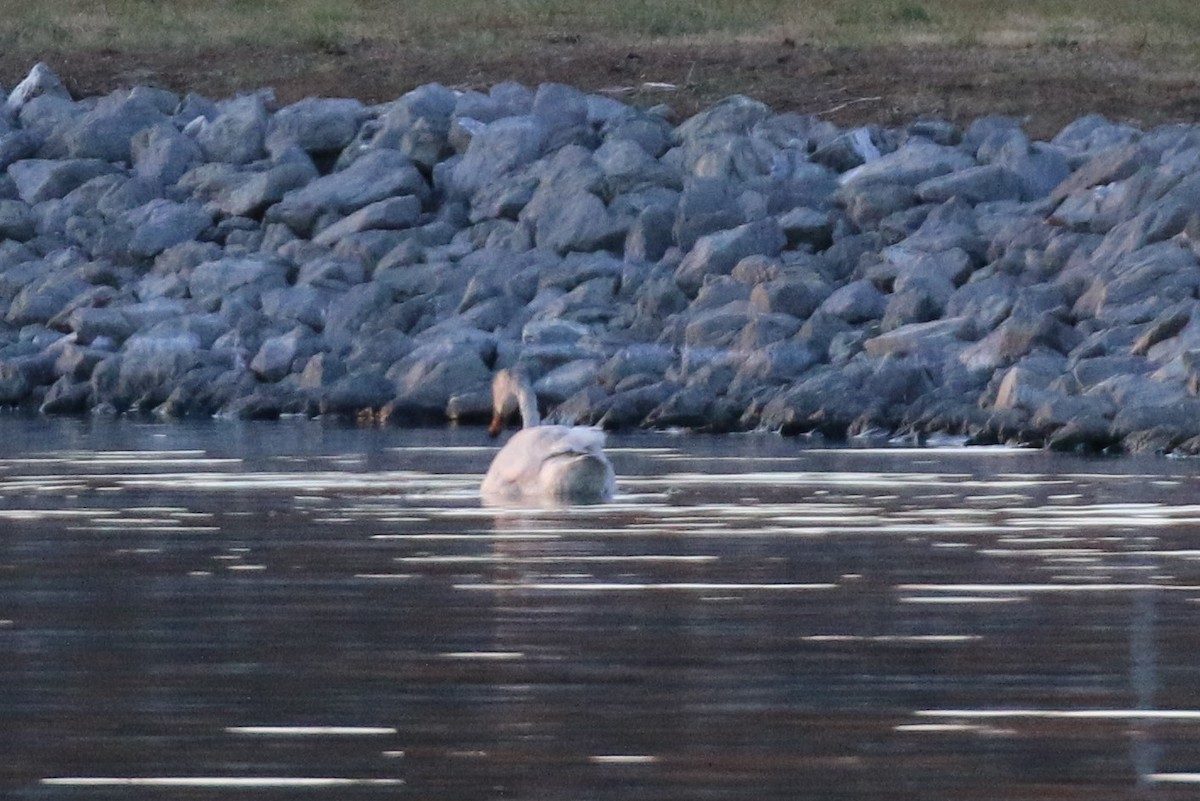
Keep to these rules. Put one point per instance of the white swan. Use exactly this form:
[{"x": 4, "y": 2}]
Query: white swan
[{"x": 543, "y": 464}]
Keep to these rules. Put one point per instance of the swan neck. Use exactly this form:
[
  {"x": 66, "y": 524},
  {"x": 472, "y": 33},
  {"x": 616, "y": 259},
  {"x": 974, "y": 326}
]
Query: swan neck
[{"x": 527, "y": 404}]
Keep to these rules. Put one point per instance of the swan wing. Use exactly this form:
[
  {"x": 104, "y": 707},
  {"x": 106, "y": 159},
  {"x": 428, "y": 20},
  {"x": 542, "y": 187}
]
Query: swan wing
[{"x": 572, "y": 439}]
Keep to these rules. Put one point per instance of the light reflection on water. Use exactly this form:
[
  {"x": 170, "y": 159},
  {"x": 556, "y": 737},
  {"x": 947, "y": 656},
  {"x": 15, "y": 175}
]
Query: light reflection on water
[{"x": 320, "y": 612}]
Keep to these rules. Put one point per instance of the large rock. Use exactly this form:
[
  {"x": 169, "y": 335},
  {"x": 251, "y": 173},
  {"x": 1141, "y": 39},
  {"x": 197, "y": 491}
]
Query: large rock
[
  {"x": 282, "y": 355},
  {"x": 719, "y": 253},
  {"x": 46, "y": 179},
  {"x": 215, "y": 281},
  {"x": 316, "y": 125},
  {"x": 43, "y": 299},
  {"x": 162, "y": 154},
  {"x": 161, "y": 224},
  {"x": 248, "y": 194},
  {"x": 981, "y": 184},
  {"x": 736, "y": 114},
  {"x": 578, "y": 222},
  {"x": 15, "y": 146},
  {"x": 41, "y": 81},
  {"x": 496, "y": 149},
  {"x": 16, "y": 221},
  {"x": 427, "y": 379},
  {"x": 391, "y": 214},
  {"x": 628, "y": 167},
  {"x": 377, "y": 175},
  {"x": 107, "y": 130},
  {"x": 237, "y": 134},
  {"x": 1142, "y": 285},
  {"x": 707, "y": 205},
  {"x": 147, "y": 368},
  {"x": 918, "y": 161},
  {"x": 928, "y": 342},
  {"x": 856, "y": 302}
]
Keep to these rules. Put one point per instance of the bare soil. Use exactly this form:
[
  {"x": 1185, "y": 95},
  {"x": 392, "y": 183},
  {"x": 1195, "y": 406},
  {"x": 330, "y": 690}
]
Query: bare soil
[{"x": 1047, "y": 85}]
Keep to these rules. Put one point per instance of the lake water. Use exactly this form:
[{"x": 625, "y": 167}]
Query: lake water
[{"x": 304, "y": 611}]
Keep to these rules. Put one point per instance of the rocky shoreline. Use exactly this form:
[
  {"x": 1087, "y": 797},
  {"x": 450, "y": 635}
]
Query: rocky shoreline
[{"x": 742, "y": 270}]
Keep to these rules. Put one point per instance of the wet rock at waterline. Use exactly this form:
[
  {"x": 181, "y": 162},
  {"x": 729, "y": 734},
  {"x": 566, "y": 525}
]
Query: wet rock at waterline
[{"x": 741, "y": 269}]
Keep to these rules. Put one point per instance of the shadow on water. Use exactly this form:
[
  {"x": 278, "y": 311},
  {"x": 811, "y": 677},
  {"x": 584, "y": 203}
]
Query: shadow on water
[{"x": 295, "y": 610}]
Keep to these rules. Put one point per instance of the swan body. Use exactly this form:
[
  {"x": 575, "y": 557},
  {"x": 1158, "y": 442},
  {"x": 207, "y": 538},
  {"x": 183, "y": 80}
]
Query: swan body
[{"x": 543, "y": 464}]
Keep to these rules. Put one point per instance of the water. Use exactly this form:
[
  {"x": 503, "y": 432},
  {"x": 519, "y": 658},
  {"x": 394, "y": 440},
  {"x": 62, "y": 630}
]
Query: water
[{"x": 302, "y": 611}]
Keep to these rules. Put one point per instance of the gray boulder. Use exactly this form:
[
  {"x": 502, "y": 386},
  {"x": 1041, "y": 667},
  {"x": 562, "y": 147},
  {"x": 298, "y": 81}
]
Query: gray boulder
[
  {"x": 983, "y": 184},
  {"x": 707, "y": 205},
  {"x": 918, "y": 299},
  {"x": 66, "y": 396},
  {"x": 1102, "y": 168},
  {"x": 806, "y": 226},
  {"x": 213, "y": 282},
  {"x": 377, "y": 175},
  {"x": 799, "y": 297},
  {"x": 563, "y": 110},
  {"x": 1016, "y": 337},
  {"x": 391, "y": 214},
  {"x": 735, "y": 114},
  {"x": 717, "y": 254},
  {"x": 650, "y": 132},
  {"x": 649, "y": 237},
  {"x": 578, "y": 222},
  {"x": 245, "y": 194},
  {"x": 47, "y": 118},
  {"x": 1094, "y": 133},
  {"x": 856, "y": 302},
  {"x": 427, "y": 379},
  {"x": 1026, "y": 385},
  {"x": 297, "y": 304},
  {"x": 41, "y": 81},
  {"x": 316, "y": 125},
  {"x": 45, "y": 298},
  {"x": 282, "y": 355},
  {"x": 330, "y": 271},
  {"x": 15, "y": 386},
  {"x": 106, "y": 131},
  {"x": 16, "y": 221},
  {"x": 15, "y": 146},
  {"x": 45, "y": 179},
  {"x": 566, "y": 380},
  {"x": 497, "y": 149},
  {"x": 107, "y": 324},
  {"x": 776, "y": 363},
  {"x": 161, "y": 224},
  {"x": 869, "y": 204},
  {"x": 350, "y": 310},
  {"x": 147, "y": 369},
  {"x": 162, "y": 154},
  {"x": 718, "y": 328},
  {"x": 626, "y": 408},
  {"x": 1039, "y": 167},
  {"x": 850, "y": 149},
  {"x": 1145, "y": 282},
  {"x": 929, "y": 343},
  {"x": 237, "y": 134},
  {"x": 917, "y": 161},
  {"x": 826, "y": 399},
  {"x": 352, "y": 394},
  {"x": 628, "y": 167}
]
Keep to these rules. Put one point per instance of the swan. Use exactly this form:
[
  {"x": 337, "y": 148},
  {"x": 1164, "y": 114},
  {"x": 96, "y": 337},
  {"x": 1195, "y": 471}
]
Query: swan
[{"x": 543, "y": 464}]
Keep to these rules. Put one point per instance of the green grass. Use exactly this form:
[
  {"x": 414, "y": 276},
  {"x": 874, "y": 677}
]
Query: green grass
[{"x": 134, "y": 24}]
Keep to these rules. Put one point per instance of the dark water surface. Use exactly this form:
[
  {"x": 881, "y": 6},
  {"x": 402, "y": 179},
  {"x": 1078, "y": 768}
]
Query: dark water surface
[{"x": 292, "y": 610}]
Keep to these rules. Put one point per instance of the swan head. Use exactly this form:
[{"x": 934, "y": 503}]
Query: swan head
[{"x": 511, "y": 393}]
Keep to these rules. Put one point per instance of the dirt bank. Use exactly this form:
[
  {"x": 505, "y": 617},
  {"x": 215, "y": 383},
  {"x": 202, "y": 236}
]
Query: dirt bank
[{"x": 1050, "y": 85}]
